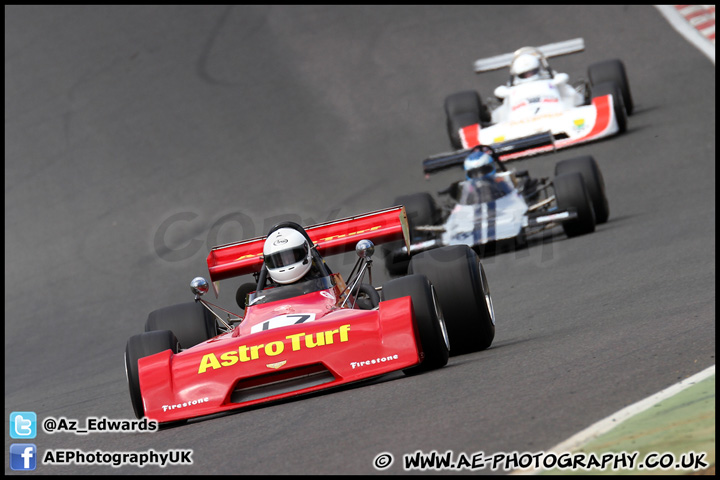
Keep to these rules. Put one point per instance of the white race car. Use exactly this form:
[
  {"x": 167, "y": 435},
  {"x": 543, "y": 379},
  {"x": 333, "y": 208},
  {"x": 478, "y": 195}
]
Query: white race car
[{"x": 538, "y": 99}]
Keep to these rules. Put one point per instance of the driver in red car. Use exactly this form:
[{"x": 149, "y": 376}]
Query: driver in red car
[{"x": 288, "y": 255}]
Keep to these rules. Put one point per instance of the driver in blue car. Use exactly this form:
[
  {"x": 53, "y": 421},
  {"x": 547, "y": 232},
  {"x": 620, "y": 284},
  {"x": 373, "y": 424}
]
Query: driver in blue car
[{"x": 479, "y": 165}]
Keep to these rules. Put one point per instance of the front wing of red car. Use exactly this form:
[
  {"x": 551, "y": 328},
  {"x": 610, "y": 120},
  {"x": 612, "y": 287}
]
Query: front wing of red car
[{"x": 230, "y": 372}]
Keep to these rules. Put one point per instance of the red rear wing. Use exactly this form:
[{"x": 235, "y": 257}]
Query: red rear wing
[{"x": 331, "y": 238}]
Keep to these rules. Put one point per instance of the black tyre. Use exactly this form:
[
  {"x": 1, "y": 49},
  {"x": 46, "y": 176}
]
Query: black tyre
[
  {"x": 612, "y": 71},
  {"x": 619, "y": 108},
  {"x": 429, "y": 319},
  {"x": 139, "y": 346},
  {"x": 242, "y": 292},
  {"x": 571, "y": 194},
  {"x": 366, "y": 297},
  {"x": 191, "y": 323},
  {"x": 594, "y": 183},
  {"x": 464, "y": 295},
  {"x": 420, "y": 209},
  {"x": 463, "y": 109}
]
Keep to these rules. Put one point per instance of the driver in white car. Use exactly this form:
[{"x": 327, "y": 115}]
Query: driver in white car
[{"x": 526, "y": 69}]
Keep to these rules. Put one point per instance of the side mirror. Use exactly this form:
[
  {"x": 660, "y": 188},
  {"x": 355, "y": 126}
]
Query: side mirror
[
  {"x": 502, "y": 91},
  {"x": 365, "y": 249},
  {"x": 560, "y": 78},
  {"x": 199, "y": 286}
]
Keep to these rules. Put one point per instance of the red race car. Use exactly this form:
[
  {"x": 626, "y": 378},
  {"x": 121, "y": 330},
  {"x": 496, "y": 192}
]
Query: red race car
[{"x": 319, "y": 332}]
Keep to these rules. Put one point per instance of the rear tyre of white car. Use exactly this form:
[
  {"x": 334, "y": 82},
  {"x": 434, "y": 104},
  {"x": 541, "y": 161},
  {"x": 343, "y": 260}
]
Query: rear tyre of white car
[
  {"x": 612, "y": 71},
  {"x": 594, "y": 183},
  {"x": 464, "y": 295},
  {"x": 611, "y": 88},
  {"x": 191, "y": 323},
  {"x": 463, "y": 109},
  {"x": 428, "y": 318},
  {"x": 421, "y": 209},
  {"x": 571, "y": 194},
  {"x": 139, "y": 346}
]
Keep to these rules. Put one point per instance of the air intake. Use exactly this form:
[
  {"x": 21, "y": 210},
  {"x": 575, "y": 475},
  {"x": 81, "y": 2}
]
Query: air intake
[{"x": 277, "y": 383}]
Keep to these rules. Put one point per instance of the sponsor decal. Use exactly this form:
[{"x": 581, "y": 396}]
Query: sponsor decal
[
  {"x": 536, "y": 118},
  {"x": 374, "y": 361},
  {"x": 185, "y": 404},
  {"x": 280, "y": 241},
  {"x": 579, "y": 123},
  {"x": 283, "y": 321},
  {"x": 334, "y": 237},
  {"x": 250, "y": 255},
  {"x": 297, "y": 342}
]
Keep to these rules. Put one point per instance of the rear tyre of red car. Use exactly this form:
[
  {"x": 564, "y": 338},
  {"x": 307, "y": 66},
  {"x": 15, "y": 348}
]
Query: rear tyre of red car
[
  {"x": 421, "y": 209},
  {"x": 571, "y": 194},
  {"x": 464, "y": 294},
  {"x": 612, "y": 71},
  {"x": 139, "y": 346},
  {"x": 463, "y": 109},
  {"x": 612, "y": 88},
  {"x": 594, "y": 183},
  {"x": 428, "y": 317},
  {"x": 191, "y": 323}
]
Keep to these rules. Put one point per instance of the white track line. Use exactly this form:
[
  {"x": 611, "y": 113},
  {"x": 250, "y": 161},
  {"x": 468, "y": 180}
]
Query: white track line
[
  {"x": 612, "y": 421},
  {"x": 608, "y": 423},
  {"x": 687, "y": 30}
]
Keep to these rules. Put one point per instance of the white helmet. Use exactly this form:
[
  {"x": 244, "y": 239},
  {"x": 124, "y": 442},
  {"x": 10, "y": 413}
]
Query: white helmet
[
  {"x": 287, "y": 255},
  {"x": 525, "y": 67}
]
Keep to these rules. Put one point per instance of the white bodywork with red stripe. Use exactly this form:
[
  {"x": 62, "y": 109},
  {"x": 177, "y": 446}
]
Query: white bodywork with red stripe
[{"x": 541, "y": 106}]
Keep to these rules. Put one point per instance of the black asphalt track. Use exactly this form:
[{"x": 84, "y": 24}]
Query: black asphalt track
[{"x": 136, "y": 138}]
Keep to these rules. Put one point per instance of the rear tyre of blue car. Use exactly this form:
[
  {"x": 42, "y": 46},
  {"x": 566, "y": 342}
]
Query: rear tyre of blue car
[
  {"x": 139, "y": 346},
  {"x": 191, "y": 323},
  {"x": 421, "y": 209},
  {"x": 571, "y": 194},
  {"x": 428, "y": 317},
  {"x": 594, "y": 183},
  {"x": 464, "y": 295}
]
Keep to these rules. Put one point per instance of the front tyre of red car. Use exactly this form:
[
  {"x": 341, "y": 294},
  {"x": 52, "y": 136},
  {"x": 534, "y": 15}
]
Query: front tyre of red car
[
  {"x": 191, "y": 323},
  {"x": 139, "y": 346},
  {"x": 428, "y": 317},
  {"x": 464, "y": 294}
]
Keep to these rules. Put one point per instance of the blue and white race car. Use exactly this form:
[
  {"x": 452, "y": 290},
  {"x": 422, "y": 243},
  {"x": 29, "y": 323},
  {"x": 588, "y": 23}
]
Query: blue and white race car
[
  {"x": 495, "y": 208},
  {"x": 537, "y": 99}
]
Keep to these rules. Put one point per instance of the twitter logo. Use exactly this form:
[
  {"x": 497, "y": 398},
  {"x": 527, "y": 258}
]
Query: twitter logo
[{"x": 23, "y": 425}]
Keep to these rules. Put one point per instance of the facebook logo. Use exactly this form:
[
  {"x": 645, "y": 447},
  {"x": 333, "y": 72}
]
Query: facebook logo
[
  {"x": 23, "y": 425},
  {"x": 22, "y": 456}
]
